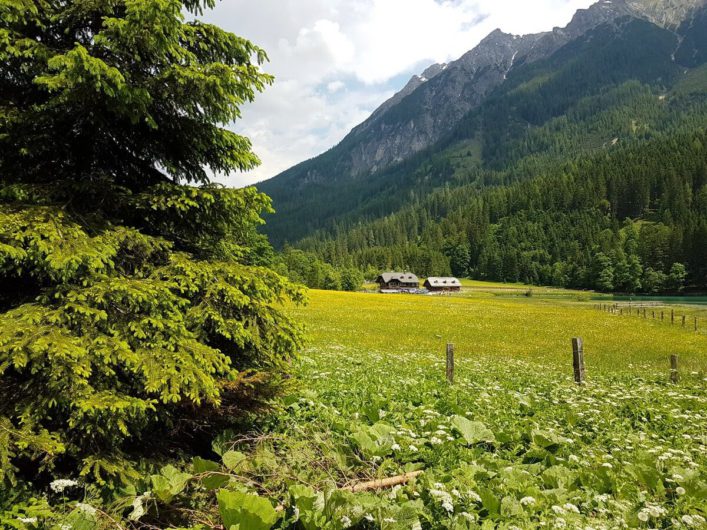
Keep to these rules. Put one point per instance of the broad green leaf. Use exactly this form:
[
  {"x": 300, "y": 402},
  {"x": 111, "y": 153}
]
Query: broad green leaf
[
  {"x": 558, "y": 477},
  {"x": 473, "y": 432},
  {"x": 169, "y": 483},
  {"x": 212, "y": 477},
  {"x": 310, "y": 505},
  {"x": 214, "y": 481},
  {"x": 233, "y": 459},
  {"x": 202, "y": 465},
  {"x": 161, "y": 489},
  {"x": 547, "y": 440},
  {"x": 245, "y": 511}
]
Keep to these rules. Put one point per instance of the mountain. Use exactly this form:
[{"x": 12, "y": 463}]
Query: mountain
[
  {"x": 433, "y": 104},
  {"x": 621, "y": 74}
]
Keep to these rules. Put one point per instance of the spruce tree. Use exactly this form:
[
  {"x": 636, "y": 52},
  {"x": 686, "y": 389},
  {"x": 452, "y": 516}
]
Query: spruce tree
[{"x": 132, "y": 306}]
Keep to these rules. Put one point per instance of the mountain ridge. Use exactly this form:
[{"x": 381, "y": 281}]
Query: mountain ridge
[
  {"x": 461, "y": 86},
  {"x": 492, "y": 95}
]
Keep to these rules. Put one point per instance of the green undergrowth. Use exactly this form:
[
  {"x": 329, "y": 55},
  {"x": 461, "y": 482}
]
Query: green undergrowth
[{"x": 513, "y": 443}]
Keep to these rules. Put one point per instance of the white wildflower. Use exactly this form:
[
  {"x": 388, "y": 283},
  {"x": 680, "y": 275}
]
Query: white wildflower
[
  {"x": 389, "y": 520},
  {"x": 695, "y": 521},
  {"x": 395, "y": 447},
  {"x": 558, "y": 509},
  {"x": 527, "y": 501},
  {"x": 58, "y": 486},
  {"x": 416, "y": 526},
  {"x": 413, "y": 449},
  {"x": 27, "y": 520},
  {"x": 656, "y": 511},
  {"x": 345, "y": 521},
  {"x": 473, "y": 496},
  {"x": 368, "y": 517},
  {"x": 448, "y": 506},
  {"x": 643, "y": 515},
  {"x": 571, "y": 507},
  {"x": 680, "y": 490},
  {"x": 435, "y": 441}
]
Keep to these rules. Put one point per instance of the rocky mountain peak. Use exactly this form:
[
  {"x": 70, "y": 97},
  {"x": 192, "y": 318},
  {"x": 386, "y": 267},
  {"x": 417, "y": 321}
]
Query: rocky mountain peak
[
  {"x": 432, "y": 103},
  {"x": 665, "y": 13}
]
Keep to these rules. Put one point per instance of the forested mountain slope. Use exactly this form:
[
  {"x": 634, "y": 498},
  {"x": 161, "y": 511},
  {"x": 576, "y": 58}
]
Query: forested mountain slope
[{"x": 620, "y": 106}]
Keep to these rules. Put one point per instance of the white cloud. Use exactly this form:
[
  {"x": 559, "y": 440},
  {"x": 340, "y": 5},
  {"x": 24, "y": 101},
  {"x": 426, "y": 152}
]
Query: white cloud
[
  {"x": 335, "y": 61},
  {"x": 335, "y": 86}
]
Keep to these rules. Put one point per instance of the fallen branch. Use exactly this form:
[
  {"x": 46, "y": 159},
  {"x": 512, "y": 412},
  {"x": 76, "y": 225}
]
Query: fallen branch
[
  {"x": 374, "y": 485},
  {"x": 383, "y": 483}
]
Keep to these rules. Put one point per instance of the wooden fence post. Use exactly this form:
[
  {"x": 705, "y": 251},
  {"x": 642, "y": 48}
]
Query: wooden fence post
[
  {"x": 661, "y": 315},
  {"x": 450, "y": 363},
  {"x": 672, "y": 316},
  {"x": 644, "y": 313},
  {"x": 578, "y": 360},
  {"x": 695, "y": 323},
  {"x": 674, "y": 375}
]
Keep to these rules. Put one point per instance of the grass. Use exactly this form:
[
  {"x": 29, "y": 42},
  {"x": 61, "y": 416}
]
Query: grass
[
  {"x": 531, "y": 329},
  {"x": 513, "y": 444}
]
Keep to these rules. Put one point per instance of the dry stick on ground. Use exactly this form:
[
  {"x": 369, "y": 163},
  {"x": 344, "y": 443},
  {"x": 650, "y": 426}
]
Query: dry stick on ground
[
  {"x": 383, "y": 483},
  {"x": 374, "y": 485}
]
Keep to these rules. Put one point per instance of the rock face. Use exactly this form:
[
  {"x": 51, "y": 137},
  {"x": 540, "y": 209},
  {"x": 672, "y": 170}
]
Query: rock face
[
  {"x": 669, "y": 14},
  {"x": 433, "y": 103}
]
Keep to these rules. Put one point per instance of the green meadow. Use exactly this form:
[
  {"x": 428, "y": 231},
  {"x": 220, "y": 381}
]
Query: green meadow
[
  {"x": 486, "y": 322},
  {"x": 512, "y": 444}
]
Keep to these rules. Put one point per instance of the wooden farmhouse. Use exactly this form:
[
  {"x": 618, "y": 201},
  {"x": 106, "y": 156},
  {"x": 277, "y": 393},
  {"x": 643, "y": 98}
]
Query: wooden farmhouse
[
  {"x": 437, "y": 285},
  {"x": 398, "y": 281}
]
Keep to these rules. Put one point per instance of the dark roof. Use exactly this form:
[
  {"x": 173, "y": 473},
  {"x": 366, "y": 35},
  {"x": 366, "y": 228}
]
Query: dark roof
[{"x": 404, "y": 277}]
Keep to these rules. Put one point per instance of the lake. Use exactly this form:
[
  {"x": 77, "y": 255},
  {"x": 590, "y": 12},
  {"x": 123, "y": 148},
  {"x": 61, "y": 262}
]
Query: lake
[{"x": 681, "y": 300}]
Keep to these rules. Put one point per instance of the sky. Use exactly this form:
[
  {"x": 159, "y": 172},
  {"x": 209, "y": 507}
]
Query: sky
[{"x": 336, "y": 61}]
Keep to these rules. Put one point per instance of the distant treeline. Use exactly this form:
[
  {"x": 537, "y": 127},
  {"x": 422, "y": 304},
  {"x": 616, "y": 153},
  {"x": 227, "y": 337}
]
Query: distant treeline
[
  {"x": 632, "y": 219},
  {"x": 306, "y": 268}
]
